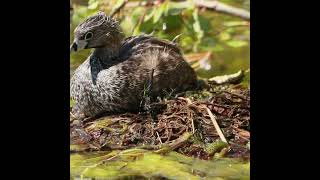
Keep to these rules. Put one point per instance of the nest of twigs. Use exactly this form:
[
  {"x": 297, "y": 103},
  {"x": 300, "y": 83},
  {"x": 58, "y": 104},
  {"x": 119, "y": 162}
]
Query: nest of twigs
[{"x": 176, "y": 117}]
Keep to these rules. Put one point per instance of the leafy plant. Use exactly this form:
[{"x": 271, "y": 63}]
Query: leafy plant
[{"x": 198, "y": 30}]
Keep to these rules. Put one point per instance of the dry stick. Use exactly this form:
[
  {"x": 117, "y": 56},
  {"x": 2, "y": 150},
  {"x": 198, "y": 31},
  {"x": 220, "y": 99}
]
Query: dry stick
[
  {"x": 223, "y": 8},
  {"x": 224, "y": 29},
  {"x": 192, "y": 123},
  {"x": 189, "y": 102},
  {"x": 216, "y": 125},
  {"x": 72, "y": 116},
  {"x": 159, "y": 137},
  {"x": 237, "y": 95},
  {"x": 210, "y": 5},
  {"x": 141, "y": 19},
  {"x": 117, "y": 10}
]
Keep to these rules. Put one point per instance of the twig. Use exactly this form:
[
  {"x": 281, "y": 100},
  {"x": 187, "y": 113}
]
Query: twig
[
  {"x": 141, "y": 19},
  {"x": 211, "y": 5},
  {"x": 192, "y": 123},
  {"x": 224, "y": 29},
  {"x": 224, "y": 8},
  {"x": 159, "y": 137},
  {"x": 189, "y": 102},
  {"x": 117, "y": 9},
  {"x": 216, "y": 125},
  {"x": 237, "y": 95},
  {"x": 73, "y": 117}
]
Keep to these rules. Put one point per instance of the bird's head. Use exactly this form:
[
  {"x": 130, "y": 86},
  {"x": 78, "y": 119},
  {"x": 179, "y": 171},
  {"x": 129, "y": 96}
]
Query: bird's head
[{"x": 97, "y": 31}]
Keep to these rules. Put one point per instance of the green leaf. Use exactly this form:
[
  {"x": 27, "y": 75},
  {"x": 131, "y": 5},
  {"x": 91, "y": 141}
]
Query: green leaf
[
  {"x": 149, "y": 15},
  {"x": 162, "y": 10},
  {"x": 127, "y": 25},
  {"x": 117, "y": 5},
  {"x": 224, "y": 36},
  {"x": 196, "y": 24},
  {"x": 93, "y": 4},
  {"x": 71, "y": 103},
  {"x": 236, "y": 43},
  {"x": 136, "y": 14},
  {"x": 235, "y": 23},
  {"x": 157, "y": 15},
  {"x": 175, "y": 8},
  {"x": 136, "y": 30},
  {"x": 217, "y": 48},
  {"x": 186, "y": 41},
  {"x": 204, "y": 23},
  {"x": 197, "y": 29},
  {"x": 174, "y": 23}
]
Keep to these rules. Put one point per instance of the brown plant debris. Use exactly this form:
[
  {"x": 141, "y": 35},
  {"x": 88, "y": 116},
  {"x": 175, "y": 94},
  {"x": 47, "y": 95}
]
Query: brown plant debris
[{"x": 183, "y": 115}]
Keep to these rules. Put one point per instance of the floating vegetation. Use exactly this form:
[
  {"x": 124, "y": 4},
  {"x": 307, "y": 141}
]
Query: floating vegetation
[{"x": 144, "y": 164}]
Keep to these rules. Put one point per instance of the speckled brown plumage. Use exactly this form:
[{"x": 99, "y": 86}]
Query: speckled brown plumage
[{"x": 115, "y": 75}]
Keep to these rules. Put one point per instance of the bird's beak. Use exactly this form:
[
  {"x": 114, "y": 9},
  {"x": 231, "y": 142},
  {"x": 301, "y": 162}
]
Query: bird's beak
[
  {"x": 73, "y": 47},
  {"x": 78, "y": 45}
]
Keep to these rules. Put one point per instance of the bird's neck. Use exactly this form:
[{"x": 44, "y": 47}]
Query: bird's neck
[
  {"x": 106, "y": 53},
  {"x": 102, "y": 58}
]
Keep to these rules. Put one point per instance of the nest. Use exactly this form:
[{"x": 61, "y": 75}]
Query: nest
[{"x": 168, "y": 121}]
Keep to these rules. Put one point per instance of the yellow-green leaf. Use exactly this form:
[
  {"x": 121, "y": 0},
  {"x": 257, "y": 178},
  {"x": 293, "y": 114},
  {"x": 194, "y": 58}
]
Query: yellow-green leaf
[{"x": 236, "y": 43}]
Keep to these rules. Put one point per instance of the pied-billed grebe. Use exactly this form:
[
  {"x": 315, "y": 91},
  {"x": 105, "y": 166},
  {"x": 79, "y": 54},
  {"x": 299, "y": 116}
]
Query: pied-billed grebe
[{"x": 115, "y": 75}]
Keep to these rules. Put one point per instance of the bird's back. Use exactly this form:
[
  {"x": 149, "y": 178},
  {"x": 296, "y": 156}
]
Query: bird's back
[
  {"x": 171, "y": 71},
  {"x": 121, "y": 82}
]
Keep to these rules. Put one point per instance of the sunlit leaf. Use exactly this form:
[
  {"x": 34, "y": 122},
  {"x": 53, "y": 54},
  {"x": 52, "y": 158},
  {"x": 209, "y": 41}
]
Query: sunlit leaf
[
  {"x": 163, "y": 9},
  {"x": 217, "y": 48},
  {"x": 235, "y": 23},
  {"x": 175, "y": 8},
  {"x": 127, "y": 25},
  {"x": 157, "y": 14},
  {"x": 149, "y": 15},
  {"x": 224, "y": 36},
  {"x": 93, "y": 4},
  {"x": 117, "y": 5},
  {"x": 136, "y": 14},
  {"x": 136, "y": 30},
  {"x": 196, "y": 25},
  {"x": 236, "y": 43},
  {"x": 71, "y": 103},
  {"x": 186, "y": 41}
]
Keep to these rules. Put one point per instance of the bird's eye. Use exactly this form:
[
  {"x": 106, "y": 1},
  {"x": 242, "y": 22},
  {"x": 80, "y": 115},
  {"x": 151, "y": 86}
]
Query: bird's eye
[{"x": 88, "y": 35}]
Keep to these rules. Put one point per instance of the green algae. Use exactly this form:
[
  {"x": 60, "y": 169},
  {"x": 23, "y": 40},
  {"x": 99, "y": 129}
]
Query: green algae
[
  {"x": 149, "y": 165},
  {"x": 212, "y": 148}
]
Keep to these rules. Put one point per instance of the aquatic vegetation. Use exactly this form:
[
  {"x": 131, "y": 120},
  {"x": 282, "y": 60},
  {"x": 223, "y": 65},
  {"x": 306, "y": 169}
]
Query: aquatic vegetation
[{"x": 149, "y": 165}]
